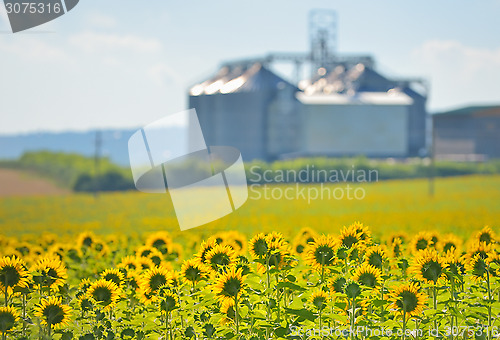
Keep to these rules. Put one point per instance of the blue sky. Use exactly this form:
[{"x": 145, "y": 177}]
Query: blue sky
[{"x": 115, "y": 63}]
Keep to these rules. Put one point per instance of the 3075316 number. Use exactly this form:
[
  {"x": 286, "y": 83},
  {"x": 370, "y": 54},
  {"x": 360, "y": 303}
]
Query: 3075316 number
[{"x": 32, "y": 7}]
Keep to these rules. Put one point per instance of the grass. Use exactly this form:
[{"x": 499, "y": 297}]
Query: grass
[{"x": 459, "y": 205}]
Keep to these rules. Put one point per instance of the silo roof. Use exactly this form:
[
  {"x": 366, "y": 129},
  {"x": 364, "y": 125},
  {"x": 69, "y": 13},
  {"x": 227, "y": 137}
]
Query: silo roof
[
  {"x": 240, "y": 79},
  {"x": 391, "y": 97}
]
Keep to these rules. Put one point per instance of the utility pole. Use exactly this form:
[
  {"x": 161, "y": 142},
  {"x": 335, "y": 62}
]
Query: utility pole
[
  {"x": 97, "y": 160},
  {"x": 432, "y": 171}
]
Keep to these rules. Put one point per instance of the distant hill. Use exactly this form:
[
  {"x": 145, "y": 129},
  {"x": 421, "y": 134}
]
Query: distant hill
[{"x": 114, "y": 143}]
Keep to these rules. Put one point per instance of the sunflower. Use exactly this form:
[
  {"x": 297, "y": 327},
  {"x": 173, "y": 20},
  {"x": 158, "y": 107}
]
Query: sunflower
[
  {"x": 477, "y": 267},
  {"x": 275, "y": 237},
  {"x": 421, "y": 241},
  {"x": 428, "y": 266},
  {"x": 455, "y": 264},
  {"x": 319, "y": 299},
  {"x": 86, "y": 239},
  {"x": 258, "y": 246},
  {"x": 8, "y": 318},
  {"x": 363, "y": 231},
  {"x": 397, "y": 247},
  {"x": 278, "y": 254},
  {"x": 129, "y": 263},
  {"x": 49, "y": 272},
  {"x": 303, "y": 238},
  {"x": 368, "y": 275},
  {"x": 152, "y": 280},
  {"x": 13, "y": 274},
  {"x": 486, "y": 235},
  {"x": 321, "y": 253},
  {"x": 84, "y": 285},
  {"x": 205, "y": 247},
  {"x": 144, "y": 263},
  {"x": 160, "y": 240},
  {"x": 114, "y": 275},
  {"x": 227, "y": 308},
  {"x": 151, "y": 253},
  {"x": 168, "y": 301},
  {"x": 350, "y": 237},
  {"x": 403, "y": 237},
  {"x": 192, "y": 271},
  {"x": 449, "y": 242},
  {"x": 337, "y": 284},
  {"x": 220, "y": 257},
  {"x": 104, "y": 293},
  {"x": 407, "y": 300},
  {"x": 477, "y": 247},
  {"x": 376, "y": 256},
  {"x": 53, "y": 313},
  {"x": 229, "y": 285}
]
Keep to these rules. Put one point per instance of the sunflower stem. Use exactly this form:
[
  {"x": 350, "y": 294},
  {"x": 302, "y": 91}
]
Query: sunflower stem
[
  {"x": 24, "y": 314},
  {"x": 237, "y": 316},
  {"x": 6, "y": 292},
  {"x": 353, "y": 321},
  {"x": 320, "y": 323},
  {"x": 434, "y": 298},
  {"x": 404, "y": 322},
  {"x": 489, "y": 301}
]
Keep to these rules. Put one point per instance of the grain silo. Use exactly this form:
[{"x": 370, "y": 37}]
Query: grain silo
[
  {"x": 250, "y": 108},
  {"x": 344, "y": 107}
]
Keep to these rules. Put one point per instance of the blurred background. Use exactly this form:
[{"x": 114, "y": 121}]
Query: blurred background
[{"x": 408, "y": 89}]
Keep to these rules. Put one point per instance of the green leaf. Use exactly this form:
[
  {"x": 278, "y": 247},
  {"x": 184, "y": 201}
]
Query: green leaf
[
  {"x": 303, "y": 313},
  {"x": 289, "y": 285}
]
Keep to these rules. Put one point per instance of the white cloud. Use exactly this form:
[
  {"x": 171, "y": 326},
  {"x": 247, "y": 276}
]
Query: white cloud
[
  {"x": 459, "y": 74},
  {"x": 97, "y": 42},
  {"x": 33, "y": 48}
]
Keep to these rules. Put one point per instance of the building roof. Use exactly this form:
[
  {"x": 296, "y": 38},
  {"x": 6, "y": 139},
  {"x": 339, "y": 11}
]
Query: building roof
[
  {"x": 239, "y": 79},
  {"x": 392, "y": 97},
  {"x": 470, "y": 110}
]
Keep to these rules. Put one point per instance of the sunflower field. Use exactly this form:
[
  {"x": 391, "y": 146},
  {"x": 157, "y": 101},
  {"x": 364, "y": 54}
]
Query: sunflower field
[{"x": 346, "y": 286}]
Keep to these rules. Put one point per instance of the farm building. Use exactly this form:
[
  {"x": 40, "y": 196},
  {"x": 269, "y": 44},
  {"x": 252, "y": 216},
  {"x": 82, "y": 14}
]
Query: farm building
[
  {"x": 342, "y": 107},
  {"x": 469, "y": 133}
]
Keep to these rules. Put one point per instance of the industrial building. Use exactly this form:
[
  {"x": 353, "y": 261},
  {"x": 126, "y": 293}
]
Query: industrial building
[
  {"x": 467, "y": 134},
  {"x": 343, "y": 107}
]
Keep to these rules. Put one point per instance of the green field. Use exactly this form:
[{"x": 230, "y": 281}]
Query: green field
[{"x": 460, "y": 204}]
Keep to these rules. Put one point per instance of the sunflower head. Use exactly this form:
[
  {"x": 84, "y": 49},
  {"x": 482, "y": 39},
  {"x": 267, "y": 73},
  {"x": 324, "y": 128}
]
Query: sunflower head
[
  {"x": 351, "y": 236},
  {"x": 428, "y": 266},
  {"x": 229, "y": 285},
  {"x": 13, "y": 273},
  {"x": 352, "y": 290},
  {"x": 321, "y": 252},
  {"x": 319, "y": 299},
  {"x": 486, "y": 235},
  {"x": 129, "y": 263},
  {"x": 376, "y": 256},
  {"x": 205, "y": 247},
  {"x": 363, "y": 231},
  {"x": 160, "y": 240},
  {"x": 8, "y": 318},
  {"x": 86, "y": 239},
  {"x": 114, "y": 275},
  {"x": 477, "y": 267},
  {"x": 49, "y": 272},
  {"x": 304, "y": 237},
  {"x": 449, "y": 242},
  {"x": 422, "y": 241},
  {"x": 168, "y": 302},
  {"x": 193, "y": 271},
  {"x": 220, "y": 257},
  {"x": 104, "y": 293},
  {"x": 455, "y": 264},
  {"x": 53, "y": 312},
  {"x": 337, "y": 284},
  {"x": 368, "y": 275},
  {"x": 152, "y": 280},
  {"x": 258, "y": 246},
  {"x": 407, "y": 300}
]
